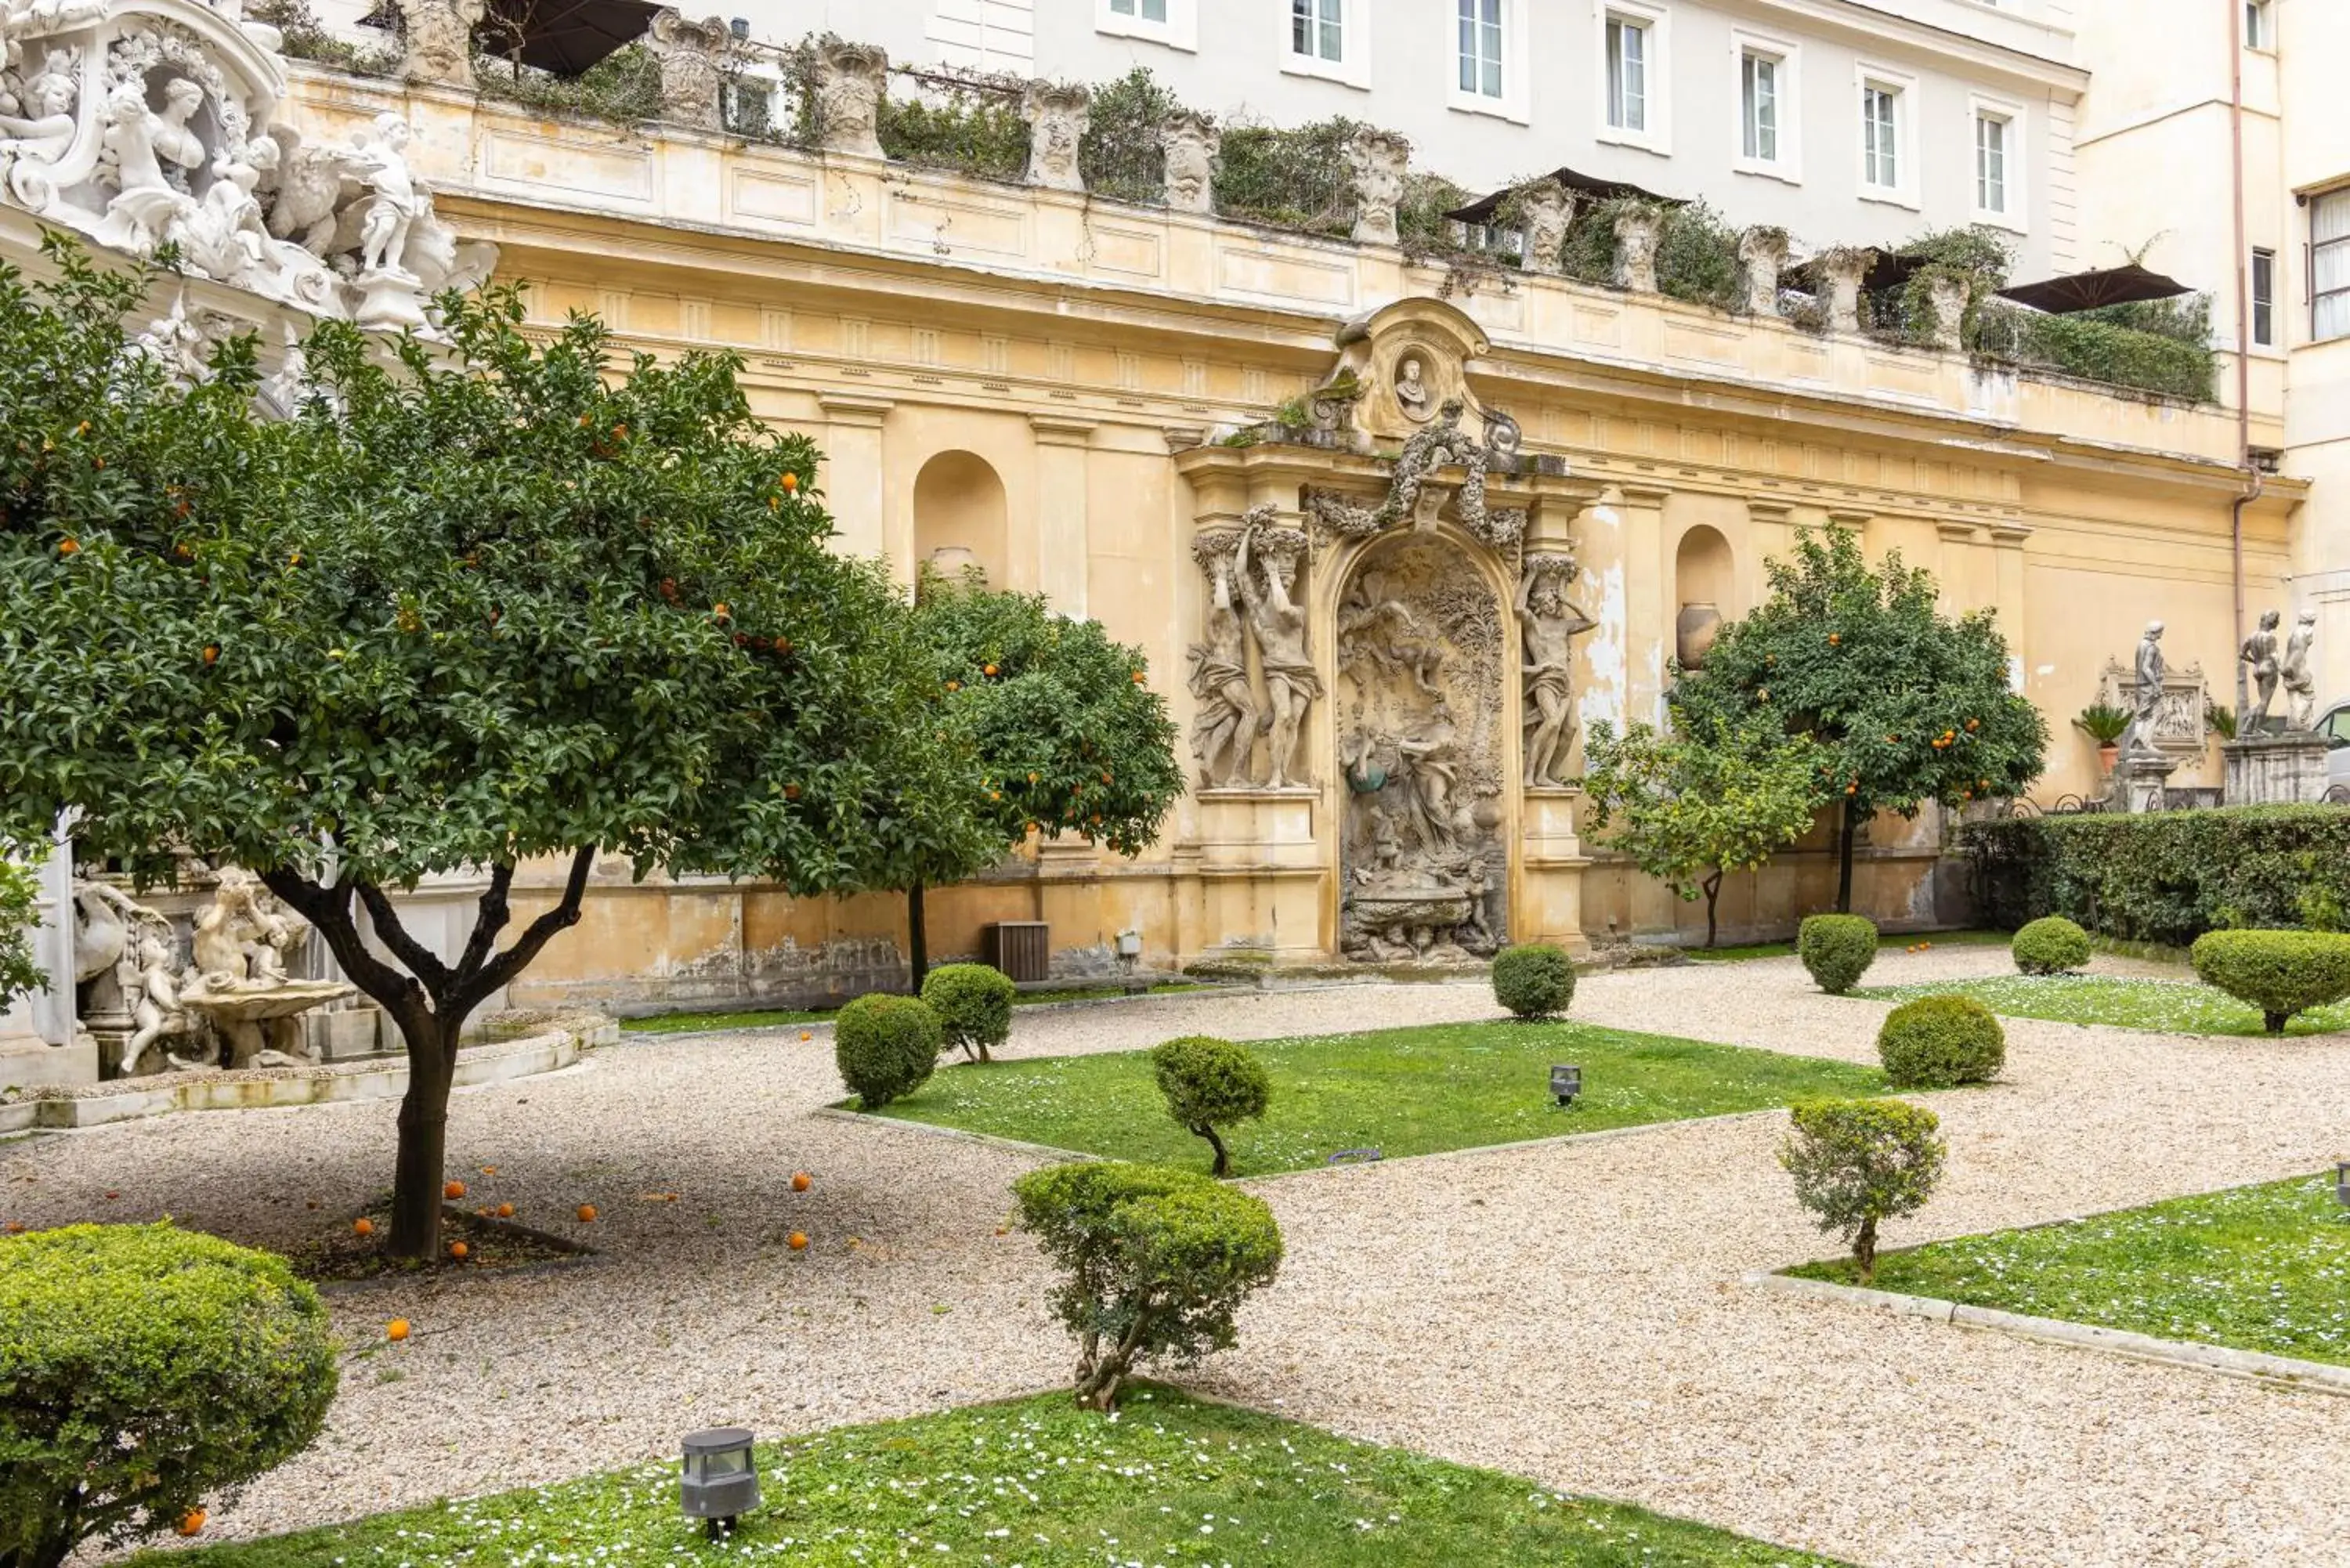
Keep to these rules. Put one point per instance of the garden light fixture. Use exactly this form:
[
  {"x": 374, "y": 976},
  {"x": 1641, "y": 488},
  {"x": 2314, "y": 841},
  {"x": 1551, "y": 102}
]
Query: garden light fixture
[
  {"x": 1565, "y": 1084},
  {"x": 2342, "y": 1183},
  {"x": 720, "y": 1482}
]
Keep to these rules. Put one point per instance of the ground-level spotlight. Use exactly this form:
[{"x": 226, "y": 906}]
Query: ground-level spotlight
[
  {"x": 720, "y": 1482},
  {"x": 2342, "y": 1184},
  {"x": 1565, "y": 1084}
]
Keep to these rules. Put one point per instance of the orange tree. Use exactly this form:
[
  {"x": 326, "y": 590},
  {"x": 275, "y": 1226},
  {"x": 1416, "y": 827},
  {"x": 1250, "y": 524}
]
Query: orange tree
[
  {"x": 1060, "y": 722},
  {"x": 467, "y": 606},
  {"x": 1908, "y": 705}
]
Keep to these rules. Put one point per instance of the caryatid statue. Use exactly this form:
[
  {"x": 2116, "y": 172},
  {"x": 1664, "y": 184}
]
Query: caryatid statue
[
  {"x": 1224, "y": 728},
  {"x": 1548, "y": 624},
  {"x": 2260, "y": 651},
  {"x": 2145, "y": 696},
  {"x": 2300, "y": 683},
  {"x": 1277, "y": 623}
]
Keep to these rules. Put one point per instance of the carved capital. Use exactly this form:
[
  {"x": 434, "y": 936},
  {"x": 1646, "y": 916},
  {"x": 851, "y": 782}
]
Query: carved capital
[
  {"x": 1637, "y": 229},
  {"x": 690, "y": 54},
  {"x": 1057, "y": 114},
  {"x": 849, "y": 81},
  {"x": 1762, "y": 252},
  {"x": 1841, "y": 273}
]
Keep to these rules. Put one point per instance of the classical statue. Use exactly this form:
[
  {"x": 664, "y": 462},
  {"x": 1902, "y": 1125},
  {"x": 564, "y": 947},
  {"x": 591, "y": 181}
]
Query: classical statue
[
  {"x": 244, "y": 944},
  {"x": 2145, "y": 698},
  {"x": 239, "y": 925},
  {"x": 1431, "y": 761},
  {"x": 1224, "y": 729},
  {"x": 1378, "y": 631},
  {"x": 1761, "y": 253},
  {"x": 150, "y": 989},
  {"x": 106, "y": 923},
  {"x": 1192, "y": 143},
  {"x": 1277, "y": 624},
  {"x": 41, "y": 127},
  {"x": 149, "y": 152},
  {"x": 2260, "y": 651},
  {"x": 1411, "y": 391},
  {"x": 393, "y": 201},
  {"x": 1548, "y": 624},
  {"x": 2300, "y": 684}
]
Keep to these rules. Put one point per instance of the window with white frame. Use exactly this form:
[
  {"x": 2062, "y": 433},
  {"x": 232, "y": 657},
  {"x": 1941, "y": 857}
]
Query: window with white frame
[
  {"x": 1147, "y": 10},
  {"x": 1759, "y": 77},
  {"x": 1993, "y": 133},
  {"x": 1881, "y": 135},
  {"x": 2329, "y": 265},
  {"x": 1480, "y": 48},
  {"x": 2260, "y": 24},
  {"x": 1629, "y": 56},
  {"x": 1172, "y": 22},
  {"x": 2264, "y": 298},
  {"x": 1318, "y": 29}
]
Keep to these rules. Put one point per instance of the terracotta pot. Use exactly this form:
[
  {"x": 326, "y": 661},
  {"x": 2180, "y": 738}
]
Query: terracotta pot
[
  {"x": 1694, "y": 630},
  {"x": 2106, "y": 752}
]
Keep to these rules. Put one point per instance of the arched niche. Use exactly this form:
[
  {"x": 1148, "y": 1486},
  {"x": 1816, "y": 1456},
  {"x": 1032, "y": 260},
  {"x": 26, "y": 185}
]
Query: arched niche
[
  {"x": 1704, "y": 580},
  {"x": 960, "y": 516}
]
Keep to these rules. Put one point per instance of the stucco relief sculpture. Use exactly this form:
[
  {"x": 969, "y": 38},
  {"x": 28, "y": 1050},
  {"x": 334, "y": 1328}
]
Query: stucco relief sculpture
[
  {"x": 849, "y": 81},
  {"x": 1547, "y": 211},
  {"x": 1224, "y": 729},
  {"x": 689, "y": 55},
  {"x": 1761, "y": 253},
  {"x": 1637, "y": 229},
  {"x": 1376, "y": 158},
  {"x": 37, "y": 122},
  {"x": 439, "y": 38},
  {"x": 1265, "y": 572},
  {"x": 125, "y": 978},
  {"x": 2300, "y": 683},
  {"x": 1416, "y": 497},
  {"x": 2260, "y": 651},
  {"x": 1548, "y": 624},
  {"x": 1420, "y": 657},
  {"x": 1191, "y": 141},
  {"x": 1057, "y": 114}
]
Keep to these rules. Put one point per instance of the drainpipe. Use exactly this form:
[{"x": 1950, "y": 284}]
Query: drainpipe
[{"x": 2252, "y": 490}]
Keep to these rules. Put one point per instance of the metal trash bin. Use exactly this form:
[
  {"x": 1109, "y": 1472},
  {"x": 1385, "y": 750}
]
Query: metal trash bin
[{"x": 1023, "y": 950}]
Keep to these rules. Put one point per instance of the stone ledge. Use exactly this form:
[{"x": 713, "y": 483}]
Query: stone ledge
[{"x": 2322, "y": 1376}]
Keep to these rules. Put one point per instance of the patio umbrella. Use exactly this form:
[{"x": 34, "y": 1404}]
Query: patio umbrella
[
  {"x": 563, "y": 37},
  {"x": 1589, "y": 186},
  {"x": 2089, "y": 290}
]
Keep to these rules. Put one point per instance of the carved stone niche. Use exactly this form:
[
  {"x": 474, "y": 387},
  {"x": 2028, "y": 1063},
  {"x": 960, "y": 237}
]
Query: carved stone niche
[
  {"x": 2180, "y": 729},
  {"x": 1420, "y": 654},
  {"x": 1407, "y": 360}
]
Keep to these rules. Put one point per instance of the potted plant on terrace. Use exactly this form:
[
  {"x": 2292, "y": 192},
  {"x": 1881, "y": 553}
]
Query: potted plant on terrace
[{"x": 2105, "y": 724}]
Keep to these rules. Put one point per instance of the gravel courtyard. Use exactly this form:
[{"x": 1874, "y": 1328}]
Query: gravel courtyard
[{"x": 1571, "y": 1312}]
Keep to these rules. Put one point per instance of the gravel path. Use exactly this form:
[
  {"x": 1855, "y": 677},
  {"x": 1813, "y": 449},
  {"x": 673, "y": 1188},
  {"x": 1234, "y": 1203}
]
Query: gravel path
[{"x": 1569, "y": 1311}]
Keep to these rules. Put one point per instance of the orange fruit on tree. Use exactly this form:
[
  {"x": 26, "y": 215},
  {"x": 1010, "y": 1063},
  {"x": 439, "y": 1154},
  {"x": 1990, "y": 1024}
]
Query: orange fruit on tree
[
  {"x": 801, "y": 1181},
  {"x": 799, "y": 1239},
  {"x": 455, "y": 1189},
  {"x": 791, "y": 791},
  {"x": 790, "y": 483},
  {"x": 191, "y": 1522},
  {"x": 362, "y": 1227},
  {"x": 68, "y": 545},
  {"x": 458, "y": 1250},
  {"x": 587, "y": 1213},
  {"x": 396, "y": 1330},
  {"x": 990, "y": 669},
  {"x": 505, "y": 1211}
]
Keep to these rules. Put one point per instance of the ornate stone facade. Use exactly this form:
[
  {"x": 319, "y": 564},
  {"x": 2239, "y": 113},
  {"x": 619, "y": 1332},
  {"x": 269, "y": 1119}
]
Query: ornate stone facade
[
  {"x": 1056, "y": 115},
  {"x": 691, "y": 54},
  {"x": 1637, "y": 228},
  {"x": 1192, "y": 143},
  {"x": 1376, "y": 158},
  {"x": 849, "y": 81},
  {"x": 439, "y": 38},
  {"x": 1761, "y": 253},
  {"x": 1548, "y": 212}
]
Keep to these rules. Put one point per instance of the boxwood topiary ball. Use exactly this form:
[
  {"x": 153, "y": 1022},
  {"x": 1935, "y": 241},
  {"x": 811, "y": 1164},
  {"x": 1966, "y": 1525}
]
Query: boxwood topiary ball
[
  {"x": 886, "y": 1047},
  {"x": 1940, "y": 1042},
  {"x": 2280, "y": 973},
  {"x": 1534, "y": 980},
  {"x": 2051, "y": 945},
  {"x": 1837, "y": 949}
]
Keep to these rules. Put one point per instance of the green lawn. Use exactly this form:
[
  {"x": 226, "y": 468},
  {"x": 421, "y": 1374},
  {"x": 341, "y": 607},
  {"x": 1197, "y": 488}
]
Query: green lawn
[
  {"x": 1885, "y": 941},
  {"x": 2171, "y": 1006},
  {"x": 1402, "y": 1091},
  {"x": 698, "y": 1022},
  {"x": 1038, "y": 1482},
  {"x": 2258, "y": 1268}
]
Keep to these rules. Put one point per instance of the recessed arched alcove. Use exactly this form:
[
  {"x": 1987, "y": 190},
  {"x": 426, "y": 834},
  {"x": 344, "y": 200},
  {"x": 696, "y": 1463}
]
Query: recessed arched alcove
[
  {"x": 960, "y": 516},
  {"x": 1704, "y": 579}
]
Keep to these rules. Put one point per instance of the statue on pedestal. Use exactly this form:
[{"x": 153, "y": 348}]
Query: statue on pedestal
[
  {"x": 1223, "y": 731},
  {"x": 2260, "y": 651},
  {"x": 2300, "y": 684},
  {"x": 1548, "y": 624},
  {"x": 1277, "y": 623},
  {"x": 2146, "y": 693}
]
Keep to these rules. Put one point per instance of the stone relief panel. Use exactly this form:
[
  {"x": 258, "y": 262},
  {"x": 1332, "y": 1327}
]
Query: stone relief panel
[
  {"x": 1420, "y": 655},
  {"x": 2180, "y": 729}
]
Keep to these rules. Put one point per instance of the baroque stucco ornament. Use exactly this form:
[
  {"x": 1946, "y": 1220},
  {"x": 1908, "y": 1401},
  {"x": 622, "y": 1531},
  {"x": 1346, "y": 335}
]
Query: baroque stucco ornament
[
  {"x": 1057, "y": 114},
  {"x": 141, "y": 123},
  {"x": 1192, "y": 143}
]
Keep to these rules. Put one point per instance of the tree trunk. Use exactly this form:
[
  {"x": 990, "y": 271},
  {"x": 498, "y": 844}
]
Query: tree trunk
[
  {"x": 917, "y": 938},
  {"x": 1844, "y": 832},
  {"x": 1864, "y": 1248},
  {"x": 1712, "y": 887},
  {"x": 2274, "y": 1021},
  {"x": 420, "y": 1167},
  {"x": 1224, "y": 1160}
]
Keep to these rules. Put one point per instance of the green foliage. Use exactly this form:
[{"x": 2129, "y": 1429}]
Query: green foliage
[
  {"x": 2280, "y": 973},
  {"x": 1836, "y": 949},
  {"x": 1940, "y": 1042},
  {"x": 1979, "y": 257},
  {"x": 964, "y": 121},
  {"x": 2103, "y": 723},
  {"x": 1123, "y": 155},
  {"x": 1693, "y": 804},
  {"x": 1857, "y": 1163},
  {"x": 1156, "y": 1262},
  {"x": 973, "y": 1003},
  {"x": 886, "y": 1047},
  {"x": 1908, "y": 705},
  {"x": 1294, "y": 179},
  {"x": 1697, "y": 256},
  {"x": 2164, "y": 877},
  {"x": 1211, "y": 1083},
  {"x": 20, "y": 913},
  {"x": 1534, "y": 980},
  {"x": 305, "y": 38},
  {"x": 1588, "y": 252},
  {"x": 2050, "y": 945},
  {"x": 2161, "y": 347},
  {"x": 623, "y": 86},
  {"x": 144, "y": 1373}
]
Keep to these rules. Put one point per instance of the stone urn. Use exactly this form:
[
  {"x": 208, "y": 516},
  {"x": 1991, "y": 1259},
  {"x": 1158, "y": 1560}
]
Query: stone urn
[{"x": 1694, "y": 630}]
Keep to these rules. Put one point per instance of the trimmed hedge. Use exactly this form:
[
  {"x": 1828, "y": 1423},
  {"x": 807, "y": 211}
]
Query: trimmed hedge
[
  {"x": 1837, "y": 949},
  {"x": 2166, "y": 877},
  {"x": 973, "y": 1001},
  {"x": 1211, "y": 1082},
  {"x": 145, "y": 1373},
  {"x": 2050, "y": 945},
  {"x": 2280, "y": 973},
  {"x": 1940, "y": 1042},
  {"x": 886, "y": 1047},
  {"x": 1534, "y": 980}
]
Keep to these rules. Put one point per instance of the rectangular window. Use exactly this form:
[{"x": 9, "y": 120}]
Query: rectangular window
[
  {"x": 1880, "y": 149},
  {"x": 1758, "y": 90},
  {"x": 1481, "y": 47},
  {"x": 1146, "y": 10},
  {"x": 1318, "y": 29},
  {"x": 1990, "y": 164},
  {"x": 2264, "y": 298},
  {"x": 2258, "y": 23},
  {"x": 2329, "y": 265},
  {"x": 1628, "y": 74}
]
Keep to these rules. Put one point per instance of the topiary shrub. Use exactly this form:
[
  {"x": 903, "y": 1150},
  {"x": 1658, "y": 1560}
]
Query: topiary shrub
[
  {"x": 2280, "y": 973},
  {"x": 144, "y": 1371},
  {"x": 1837, "y": 949},
  {"x": 2050, "y": 945},
  {"x": 1156, "y": 1262},
  {"x": 1859, "y": 1162},
  {"x": 973, "y": 1001},
  {"x": 886, "y": 1047},
  {"x": 1534, "y": 980},
  {"x": 1211, "y": 1082},
  {"x": 1940, "y": 1042}
]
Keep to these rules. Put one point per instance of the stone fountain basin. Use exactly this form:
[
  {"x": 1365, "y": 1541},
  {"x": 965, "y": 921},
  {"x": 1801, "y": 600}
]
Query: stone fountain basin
[
  {"x": 250, "y": 1003},
  {"x": 1385, "y": 907}
]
